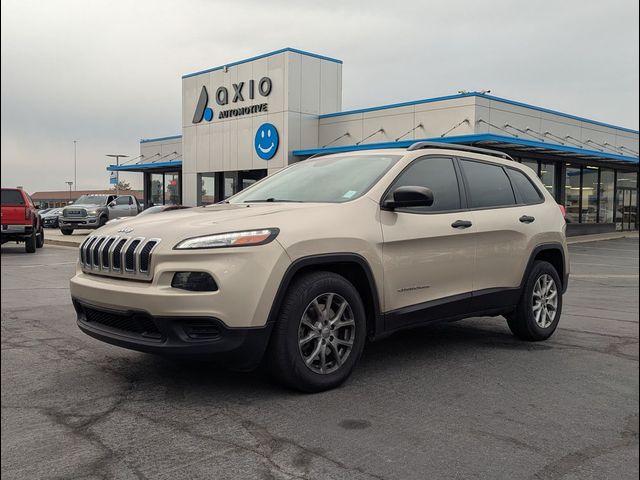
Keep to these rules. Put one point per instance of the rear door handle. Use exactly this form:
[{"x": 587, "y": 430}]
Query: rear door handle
[
  {"x": 461, "y": 224},
  {"x": 527, "y": 219}
]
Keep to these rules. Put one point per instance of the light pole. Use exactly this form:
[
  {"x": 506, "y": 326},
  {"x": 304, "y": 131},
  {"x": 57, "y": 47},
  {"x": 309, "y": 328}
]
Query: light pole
[
  {"x": 75, "y": 163},
  {"x": 117, "y": 157},
  {"x": 69, "y": 183}
]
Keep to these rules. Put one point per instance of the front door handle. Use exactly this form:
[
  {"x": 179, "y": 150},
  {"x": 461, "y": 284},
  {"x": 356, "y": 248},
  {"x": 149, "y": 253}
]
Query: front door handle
[
  {"x": 527, "y": 219},
  {"x": 461, "y": 224}
]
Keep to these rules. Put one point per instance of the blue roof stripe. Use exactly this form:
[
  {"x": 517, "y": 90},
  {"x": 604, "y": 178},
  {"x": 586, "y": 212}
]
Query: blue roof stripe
[
  {"x": 140, "y": 167},
  {"x": 481, "y": 95},
  {"x": 160, "y": 139},
  {"x": 264, "y": 55},
  {"x": 469, "y": 139}
]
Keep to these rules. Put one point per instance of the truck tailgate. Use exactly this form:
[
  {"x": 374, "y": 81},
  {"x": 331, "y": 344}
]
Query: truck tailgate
[{"x": 14, "y": 215}]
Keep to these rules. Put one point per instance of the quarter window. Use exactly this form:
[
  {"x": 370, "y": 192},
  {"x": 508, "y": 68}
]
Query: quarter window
[
  {"x": 435, "y": 173},
  {"x": 528, "y": 192},
  {"x": 488, "y": 185}
]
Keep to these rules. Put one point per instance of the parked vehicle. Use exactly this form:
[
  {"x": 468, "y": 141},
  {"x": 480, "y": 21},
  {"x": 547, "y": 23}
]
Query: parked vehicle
[
  {"x": 20, "y": 220},
  {"x": 94, "y": 211},
  {"x": 50, "y": 218},
  {"x": 305, "y": 265},
  {"x": 151, "y": 210}
]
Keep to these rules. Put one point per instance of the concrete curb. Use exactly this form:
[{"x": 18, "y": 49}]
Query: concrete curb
[
  {"x": 61, "y": 243},
  {"x": 599, "y": 237}
]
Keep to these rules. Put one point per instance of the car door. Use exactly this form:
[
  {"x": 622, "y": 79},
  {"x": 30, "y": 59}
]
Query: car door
[
  {"x": 504, "y": 231},
  {"x": 428, "y": 252},
  {"x": 121, "y": 207}
]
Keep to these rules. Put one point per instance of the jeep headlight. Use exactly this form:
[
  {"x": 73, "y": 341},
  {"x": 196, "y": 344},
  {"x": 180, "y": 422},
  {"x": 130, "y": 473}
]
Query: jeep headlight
[{"x": 232, "y": 239}]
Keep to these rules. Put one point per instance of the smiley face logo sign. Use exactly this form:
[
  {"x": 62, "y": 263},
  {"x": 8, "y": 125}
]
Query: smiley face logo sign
[{"x": 266, "y": 141}]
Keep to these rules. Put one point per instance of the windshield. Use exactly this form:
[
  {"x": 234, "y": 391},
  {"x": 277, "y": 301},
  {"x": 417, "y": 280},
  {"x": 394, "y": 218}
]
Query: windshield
[
  {"x": 91, "y": 200},
  {"x": 337, "y": 179}
]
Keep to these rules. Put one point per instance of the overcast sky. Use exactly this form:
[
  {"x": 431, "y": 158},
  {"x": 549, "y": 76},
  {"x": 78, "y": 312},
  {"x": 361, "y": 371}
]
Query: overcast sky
[{"x": 107, "y": 73}]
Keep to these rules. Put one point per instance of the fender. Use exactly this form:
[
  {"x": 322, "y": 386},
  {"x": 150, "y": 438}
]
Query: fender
[
  {"x": 329, "y": 259},
  {"x": 540, "y": 248}
]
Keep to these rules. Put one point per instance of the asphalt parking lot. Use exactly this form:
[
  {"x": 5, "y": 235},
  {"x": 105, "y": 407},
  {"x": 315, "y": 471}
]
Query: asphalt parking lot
[{"x": 461, "y": 401}]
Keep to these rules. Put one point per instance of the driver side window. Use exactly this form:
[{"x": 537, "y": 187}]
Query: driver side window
[
  {"x": 437, "y": 174},
  {"x": 122, "y": 201}
]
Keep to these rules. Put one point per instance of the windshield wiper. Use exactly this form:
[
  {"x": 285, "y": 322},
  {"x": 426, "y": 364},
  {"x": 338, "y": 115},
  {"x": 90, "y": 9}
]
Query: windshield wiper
[{"x": 272, "y": 199}]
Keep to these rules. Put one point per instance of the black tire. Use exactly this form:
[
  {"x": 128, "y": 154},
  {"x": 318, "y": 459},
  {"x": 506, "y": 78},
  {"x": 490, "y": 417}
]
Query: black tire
[
  {"x": 40, "y": 239},
  {"x": 30, "y": 243},
  {"x": 103, "y": 221},
  {"x": 522, "y": 321},
  {"x": 66, "y": 231},
  {"x": 285, "y": 356}
]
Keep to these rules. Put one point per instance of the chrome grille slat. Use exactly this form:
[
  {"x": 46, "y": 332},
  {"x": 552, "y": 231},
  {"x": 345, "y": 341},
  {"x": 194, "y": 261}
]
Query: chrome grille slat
[{"x": 126, "y": 257}]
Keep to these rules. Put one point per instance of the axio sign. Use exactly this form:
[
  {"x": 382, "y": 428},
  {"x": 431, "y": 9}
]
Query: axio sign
[{"x": 262, "y": 87}]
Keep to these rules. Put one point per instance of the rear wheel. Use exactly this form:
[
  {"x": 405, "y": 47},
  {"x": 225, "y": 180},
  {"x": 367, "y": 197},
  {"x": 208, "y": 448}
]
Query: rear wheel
[
  {"x": 40, "y": 239},
  {"x": 30, "y": 243},
  {"x": 538, "y": 312},
  {"x": 66, "y": 231},
  {"x": 320, "y": 333}
]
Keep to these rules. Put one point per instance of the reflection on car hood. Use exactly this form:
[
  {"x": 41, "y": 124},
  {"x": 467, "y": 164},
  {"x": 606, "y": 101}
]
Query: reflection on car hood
[{"x": 176, "y": 225}]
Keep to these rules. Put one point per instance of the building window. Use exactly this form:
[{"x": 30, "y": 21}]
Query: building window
[
  {"x": 207, "y": 190},
  {"x": 606, "y": 193},
  {"x": 589, "y": 209},
  {"x": 548, "y": 177},
  {"x": 572, "y": 193},
  {"x": 171, "y": 189},
  {"x": 249, "y": 177},
  {"x": 532, "y": 164},
  {"x": 627, "y": 201},
  {"x": 156, "y": 188}
]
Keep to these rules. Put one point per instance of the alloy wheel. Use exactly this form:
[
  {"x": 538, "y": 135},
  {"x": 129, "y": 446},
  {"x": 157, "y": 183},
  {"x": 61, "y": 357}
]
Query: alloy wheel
[
  {"x": 545, "y": 301},
  {"x": 326, "y": 333}
]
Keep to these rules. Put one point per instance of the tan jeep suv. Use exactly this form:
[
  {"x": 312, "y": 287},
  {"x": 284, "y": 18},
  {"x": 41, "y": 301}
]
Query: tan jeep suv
[{"x": 307, "y": 264}]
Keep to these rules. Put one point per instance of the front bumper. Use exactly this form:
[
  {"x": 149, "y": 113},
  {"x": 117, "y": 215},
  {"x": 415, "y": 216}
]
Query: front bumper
[
  {"x": 242, "y": 348},
  {"x": 85, "y": 222}
]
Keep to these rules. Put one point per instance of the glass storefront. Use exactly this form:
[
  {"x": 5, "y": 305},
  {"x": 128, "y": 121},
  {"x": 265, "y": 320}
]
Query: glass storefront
[
  {"x": 548, "y": 177},
  {"x": 572, "y": 193},
  {"x": 627, "y": 201},
  {"x": 207, "y": 191},
  {"x": 589, "y": 208},
  {"x": 163, "y": 189},
  {"x": 606, "y": 193}
]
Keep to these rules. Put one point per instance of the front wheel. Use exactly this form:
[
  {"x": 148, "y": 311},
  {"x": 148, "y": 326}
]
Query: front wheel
[
  {"x": 538, "y": 312},
  {"x": 320, "y": 333},
  {"x": 66, "y": 231}
]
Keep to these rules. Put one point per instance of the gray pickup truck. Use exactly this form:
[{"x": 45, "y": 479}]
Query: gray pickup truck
[{"x": 93, "y": 211}]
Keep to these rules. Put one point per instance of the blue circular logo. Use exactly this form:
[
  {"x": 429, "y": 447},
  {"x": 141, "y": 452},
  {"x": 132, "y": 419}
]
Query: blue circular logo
[
  {"x": 208, "y": 114},
  {"x": 266, "y": 141}
]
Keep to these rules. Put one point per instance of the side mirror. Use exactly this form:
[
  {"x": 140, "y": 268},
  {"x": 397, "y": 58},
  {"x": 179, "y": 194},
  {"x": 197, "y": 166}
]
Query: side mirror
[
  {"x": 70, "y": 202},
  {"x": 409, "y": 196}
]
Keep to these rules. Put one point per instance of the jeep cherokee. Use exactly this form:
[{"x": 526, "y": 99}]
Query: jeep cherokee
[{"x": 307, "y": 264}]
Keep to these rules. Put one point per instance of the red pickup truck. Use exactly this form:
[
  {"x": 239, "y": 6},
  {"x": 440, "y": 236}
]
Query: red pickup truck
[{"x": 20, "y": 220}]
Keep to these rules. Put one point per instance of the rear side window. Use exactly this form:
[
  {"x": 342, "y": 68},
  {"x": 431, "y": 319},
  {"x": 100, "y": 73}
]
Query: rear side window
[
  {"x": 488, "y": 185},
  {"x": 435, "y": 173},
  {"x": 12, "y": 197},
  {"x": 527, "y": 192}
]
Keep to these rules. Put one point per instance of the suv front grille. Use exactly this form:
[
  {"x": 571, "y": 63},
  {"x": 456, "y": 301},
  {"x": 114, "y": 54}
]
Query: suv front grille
[{"x": 118, "y": 256}]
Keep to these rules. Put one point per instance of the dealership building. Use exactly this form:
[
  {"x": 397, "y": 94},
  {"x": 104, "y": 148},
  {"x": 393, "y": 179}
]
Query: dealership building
[{"x": 248, "y": 119}]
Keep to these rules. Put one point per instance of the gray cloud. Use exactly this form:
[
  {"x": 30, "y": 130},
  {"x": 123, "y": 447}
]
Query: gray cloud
[{"x": 107, "y": 73}]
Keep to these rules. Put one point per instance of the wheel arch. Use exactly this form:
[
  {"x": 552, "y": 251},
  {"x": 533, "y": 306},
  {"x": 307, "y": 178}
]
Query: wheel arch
[
  {"x": 352, "y": 266},
  {"x": 553, "y": 253}
]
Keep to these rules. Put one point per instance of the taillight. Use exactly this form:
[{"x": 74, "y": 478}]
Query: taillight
[
  {"x": 27, "y": 214},
  {"x": 563, "y": 210}
]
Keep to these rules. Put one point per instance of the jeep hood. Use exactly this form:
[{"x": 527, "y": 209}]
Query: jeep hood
[{"x": 176, "y": 225}]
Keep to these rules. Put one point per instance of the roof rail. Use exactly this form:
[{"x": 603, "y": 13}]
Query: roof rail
[{"x": 456, "y": 146}]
